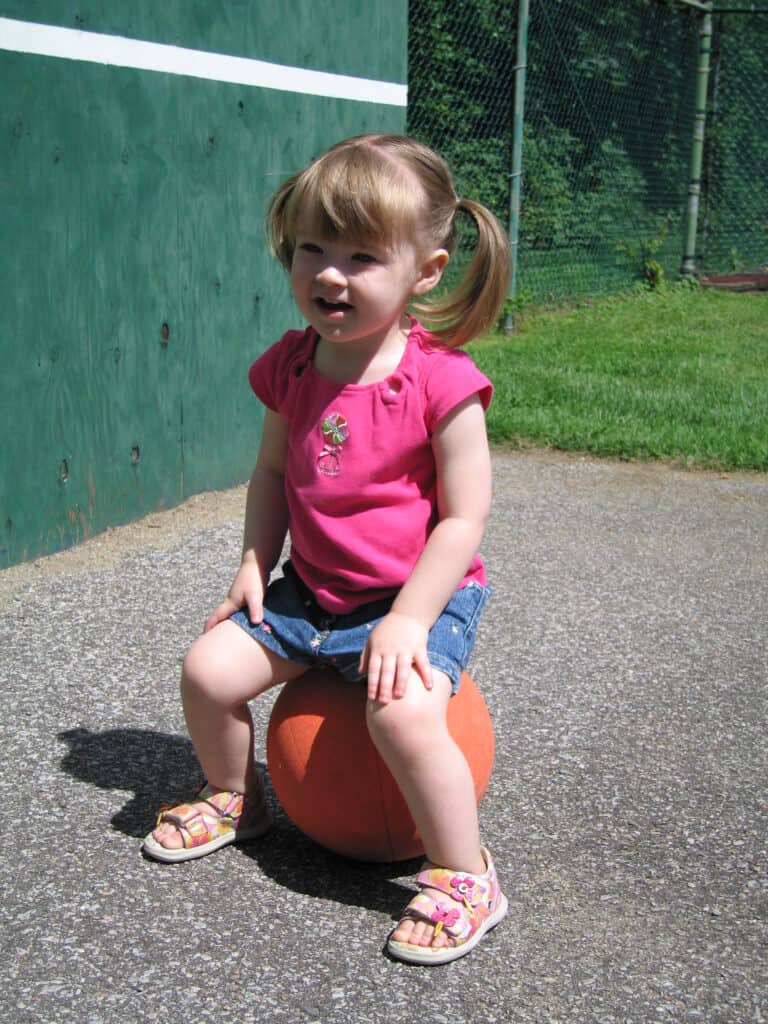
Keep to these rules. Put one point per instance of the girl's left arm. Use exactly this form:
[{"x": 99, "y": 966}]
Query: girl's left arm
[{"x": 399, "y": 643}]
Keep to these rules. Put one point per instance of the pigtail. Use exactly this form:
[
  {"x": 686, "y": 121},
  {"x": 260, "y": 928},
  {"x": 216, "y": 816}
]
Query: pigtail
[{"x": 472, "y": 307}]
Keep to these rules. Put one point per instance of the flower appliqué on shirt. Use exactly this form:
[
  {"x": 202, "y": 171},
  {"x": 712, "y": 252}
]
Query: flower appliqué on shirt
[{"x": 335, "y": 431}]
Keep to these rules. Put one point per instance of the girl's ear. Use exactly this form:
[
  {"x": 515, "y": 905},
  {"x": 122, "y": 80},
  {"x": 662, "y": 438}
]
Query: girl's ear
[{"x": 431, "y": 271}]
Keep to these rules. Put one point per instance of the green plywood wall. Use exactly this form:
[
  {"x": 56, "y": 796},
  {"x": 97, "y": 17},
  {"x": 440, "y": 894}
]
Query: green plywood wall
[{"x": 137, "y": 285}]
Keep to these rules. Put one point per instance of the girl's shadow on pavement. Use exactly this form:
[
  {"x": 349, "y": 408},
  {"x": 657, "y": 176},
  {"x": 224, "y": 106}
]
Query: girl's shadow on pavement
[
  {"x": 158, "y": 768},
  {"x": 163, "y": 769}
]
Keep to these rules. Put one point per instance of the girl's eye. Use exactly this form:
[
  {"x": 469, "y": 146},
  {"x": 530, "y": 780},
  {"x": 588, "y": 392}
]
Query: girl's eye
[
  {"x": 364, "y": 257},
  {"x": 309, "y": 247}
]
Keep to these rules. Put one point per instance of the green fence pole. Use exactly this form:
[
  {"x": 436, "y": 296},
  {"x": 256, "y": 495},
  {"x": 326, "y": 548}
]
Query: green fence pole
[
  {"x": 517, "y": 152},
  {"x": 688, "y": 268}
]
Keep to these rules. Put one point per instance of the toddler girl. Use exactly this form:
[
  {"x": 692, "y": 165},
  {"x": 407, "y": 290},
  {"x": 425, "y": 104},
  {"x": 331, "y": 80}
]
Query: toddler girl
[{"x": 374, "y": 456}]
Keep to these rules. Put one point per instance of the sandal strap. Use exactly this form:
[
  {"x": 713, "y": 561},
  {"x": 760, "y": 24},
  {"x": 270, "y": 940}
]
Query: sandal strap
[
  {"x": 461, "y": 886},
  {"x": 424, "y": 907},
  {"x": 225, "y": 812},
  {"x": 473, "y": 898},
  {"x": 225, "y": 803},
  {"x": 196, "y": 825}
]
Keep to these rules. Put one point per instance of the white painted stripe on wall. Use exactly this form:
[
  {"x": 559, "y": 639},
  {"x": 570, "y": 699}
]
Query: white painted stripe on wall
[{"x": 120, "y": 51}]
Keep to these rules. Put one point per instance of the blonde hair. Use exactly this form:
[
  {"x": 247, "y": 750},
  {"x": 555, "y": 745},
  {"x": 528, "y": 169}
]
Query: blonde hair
[{"x": 389, "y": 188}]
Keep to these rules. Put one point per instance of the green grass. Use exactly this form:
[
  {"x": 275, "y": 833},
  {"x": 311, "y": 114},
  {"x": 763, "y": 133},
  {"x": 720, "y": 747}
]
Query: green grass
[{"x": 680, "y": 375}]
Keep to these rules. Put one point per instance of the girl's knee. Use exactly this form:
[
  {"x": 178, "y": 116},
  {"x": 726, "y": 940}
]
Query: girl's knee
[
  {"x": 208, "y": 670},
  {"x": 419, "y": 714},
  {"x": 227, "y": 667},
  {"x": 196, "y": 670}
]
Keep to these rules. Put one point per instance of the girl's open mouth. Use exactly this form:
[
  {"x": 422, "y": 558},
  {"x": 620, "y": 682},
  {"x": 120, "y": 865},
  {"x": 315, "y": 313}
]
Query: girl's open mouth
[{"x": 328, "y": 306}]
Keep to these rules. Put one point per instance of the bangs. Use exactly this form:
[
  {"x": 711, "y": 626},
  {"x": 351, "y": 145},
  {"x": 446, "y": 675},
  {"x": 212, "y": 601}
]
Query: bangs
[{"x": 358, "y": 193}]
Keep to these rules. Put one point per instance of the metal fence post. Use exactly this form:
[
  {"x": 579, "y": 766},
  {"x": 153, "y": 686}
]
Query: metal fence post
[
  {"x": 517, "y": 152},
  {"x": 688, "y": 267}
]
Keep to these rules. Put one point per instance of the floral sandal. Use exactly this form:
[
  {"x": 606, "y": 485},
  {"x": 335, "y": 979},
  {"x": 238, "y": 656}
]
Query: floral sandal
[
  {"x": 232, "y": 818},
  {"x": 475, "y": 905}
]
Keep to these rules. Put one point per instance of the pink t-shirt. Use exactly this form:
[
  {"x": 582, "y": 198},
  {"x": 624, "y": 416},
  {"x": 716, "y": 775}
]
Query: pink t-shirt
[{"x": 360, "y": 474}]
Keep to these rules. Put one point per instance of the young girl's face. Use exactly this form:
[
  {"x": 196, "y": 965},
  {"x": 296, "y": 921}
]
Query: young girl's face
[{"x": 355, "y": 291}]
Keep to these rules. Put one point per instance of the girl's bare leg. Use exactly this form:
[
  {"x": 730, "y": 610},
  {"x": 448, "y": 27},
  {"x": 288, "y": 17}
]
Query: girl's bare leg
[
  {"x": 411, "y": 734},
  {"x": 222, "y": 671}
]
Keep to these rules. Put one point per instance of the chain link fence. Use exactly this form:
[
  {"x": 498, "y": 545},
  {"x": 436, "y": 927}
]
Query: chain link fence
[
  {"x": 610, "y": 98},
  {"x": 734, "y": 221},
  {"x": 461, "y": 94}
]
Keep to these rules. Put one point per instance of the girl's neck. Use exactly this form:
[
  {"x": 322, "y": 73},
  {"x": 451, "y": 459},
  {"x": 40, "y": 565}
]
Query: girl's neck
[{"x": 366, "y": 361}]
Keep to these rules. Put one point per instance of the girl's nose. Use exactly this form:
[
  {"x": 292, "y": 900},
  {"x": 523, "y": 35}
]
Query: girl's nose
[{"x": 331, "y": 275}]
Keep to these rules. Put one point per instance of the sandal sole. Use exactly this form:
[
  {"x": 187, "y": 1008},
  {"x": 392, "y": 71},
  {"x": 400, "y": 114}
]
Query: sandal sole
[
  {"x": 425, "y": 955},
  {"x": 157, "y": 851}
]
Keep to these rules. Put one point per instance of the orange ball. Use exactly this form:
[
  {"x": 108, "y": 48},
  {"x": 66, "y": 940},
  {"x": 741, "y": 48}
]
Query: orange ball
[{"x": 332, "y": 782}]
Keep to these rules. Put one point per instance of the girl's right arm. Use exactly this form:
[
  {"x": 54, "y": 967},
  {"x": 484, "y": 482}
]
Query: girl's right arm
[{"x": 266, "y": 524}]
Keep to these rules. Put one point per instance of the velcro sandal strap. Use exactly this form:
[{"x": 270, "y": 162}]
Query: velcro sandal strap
[
  {"x": 444, "y": 916},
  {"x": 459, "y": 885},
  {"x": 225, "y": 804},
  {"x": 476, "y": 904},
  {"x": 197, "y": 825},
  {"x": 178, "y": 815},
  {"x": 190, "y": 822}
]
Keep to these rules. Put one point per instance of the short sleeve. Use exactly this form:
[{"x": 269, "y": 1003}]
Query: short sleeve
[
  {"x": 274, "y": 375},
  {"x": 451, "y": 378}
]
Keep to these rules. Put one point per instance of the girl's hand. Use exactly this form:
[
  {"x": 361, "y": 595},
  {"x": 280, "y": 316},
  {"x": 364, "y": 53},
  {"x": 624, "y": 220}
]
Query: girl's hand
[
  {"x": 395, "y": 647},
  {"x": 247, "y": 591}
]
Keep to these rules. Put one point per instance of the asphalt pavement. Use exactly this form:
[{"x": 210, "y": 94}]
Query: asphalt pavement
[{"x": 624, "y": 660}]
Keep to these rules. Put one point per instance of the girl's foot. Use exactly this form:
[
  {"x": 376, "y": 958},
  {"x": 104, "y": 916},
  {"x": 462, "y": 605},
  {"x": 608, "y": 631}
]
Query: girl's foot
[
  {"x": 217, "y": 818},
  {"x": 435, "y": 929},
  {"x": 414, "y": 930}
]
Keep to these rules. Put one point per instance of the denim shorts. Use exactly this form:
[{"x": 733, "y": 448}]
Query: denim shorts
[{"x": 296, "y": 628}]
